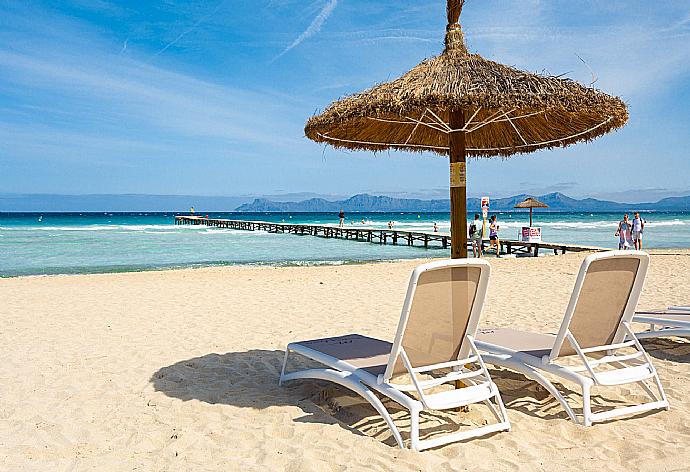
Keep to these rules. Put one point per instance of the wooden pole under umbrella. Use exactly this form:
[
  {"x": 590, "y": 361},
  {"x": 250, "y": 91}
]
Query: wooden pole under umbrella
[
  {"x": 530, "y": 217},
  {"x": 458, "y": 186}
]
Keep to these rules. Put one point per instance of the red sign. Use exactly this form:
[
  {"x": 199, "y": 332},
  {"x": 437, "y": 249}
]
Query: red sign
[{"x": 485, "y": 207}]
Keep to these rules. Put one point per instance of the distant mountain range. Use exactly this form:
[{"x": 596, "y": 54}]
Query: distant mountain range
[
  {"x": 296, "y": 203},
  {"x": 370, "y": 203}
]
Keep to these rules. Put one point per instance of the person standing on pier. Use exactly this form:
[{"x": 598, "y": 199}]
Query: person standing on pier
[{"x": 341, "y": 215}]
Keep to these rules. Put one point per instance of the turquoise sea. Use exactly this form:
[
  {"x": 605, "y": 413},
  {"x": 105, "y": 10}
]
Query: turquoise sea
[{"x": 74, "y": 243}]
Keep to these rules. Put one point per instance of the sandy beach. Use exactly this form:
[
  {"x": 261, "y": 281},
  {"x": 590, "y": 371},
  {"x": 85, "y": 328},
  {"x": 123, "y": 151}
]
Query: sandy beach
[{"x": 177, "y": 370}]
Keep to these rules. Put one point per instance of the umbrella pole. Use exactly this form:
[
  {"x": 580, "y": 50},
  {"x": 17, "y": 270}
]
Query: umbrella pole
[
  {"x": 530, "y": 217},
  {"x": 458, "y": 186}
]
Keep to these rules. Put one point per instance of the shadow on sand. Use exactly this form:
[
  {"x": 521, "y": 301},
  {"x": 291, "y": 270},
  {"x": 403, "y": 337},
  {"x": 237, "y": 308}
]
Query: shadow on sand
[
  {"x": 668, "y": 349},
  {"x": 249, "y": 379}
]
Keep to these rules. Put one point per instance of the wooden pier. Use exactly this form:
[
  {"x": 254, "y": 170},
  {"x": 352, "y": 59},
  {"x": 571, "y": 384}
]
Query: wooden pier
[{"x": 375, "y": 235}]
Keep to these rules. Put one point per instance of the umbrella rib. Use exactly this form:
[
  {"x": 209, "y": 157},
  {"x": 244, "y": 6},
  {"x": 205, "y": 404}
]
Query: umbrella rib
[
  {"x": 445, "y": 148},
  {"x": 441, "y": 122},
  {"x": 424, "y": 146},
  {"x": 422, "y": 123},
  {"x": 515, "y": 128},
  {"x": 430, "y": 125},
  {"x": 421, "y": 117},
  {"x": 523, "y": 116},
  {"x": 467, "y": 123},
  {"x": 545, "y": 142},
  {"x": 495, "y": 117},
  {"x": 409, "y": 122}
]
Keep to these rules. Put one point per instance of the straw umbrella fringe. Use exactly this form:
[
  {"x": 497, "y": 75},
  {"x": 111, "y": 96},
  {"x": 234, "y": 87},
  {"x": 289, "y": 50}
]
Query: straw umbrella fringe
[{"x": 461, "y": 105}]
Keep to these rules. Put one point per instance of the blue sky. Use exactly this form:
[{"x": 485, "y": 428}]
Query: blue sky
[{"x": 210, "y": 98}]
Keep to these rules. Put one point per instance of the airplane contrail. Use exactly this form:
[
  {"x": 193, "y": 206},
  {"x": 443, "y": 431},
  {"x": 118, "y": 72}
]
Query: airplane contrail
[
  {"x": 194, "y": 26},
  {"x": 313, "y": 28}
]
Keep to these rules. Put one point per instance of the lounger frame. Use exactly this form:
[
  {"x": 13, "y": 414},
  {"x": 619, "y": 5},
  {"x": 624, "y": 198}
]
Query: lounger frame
[
  {"x": 479, "y": 386},
  {"x": 623, "y": 368},
  {"x": 660, "y": 326}
]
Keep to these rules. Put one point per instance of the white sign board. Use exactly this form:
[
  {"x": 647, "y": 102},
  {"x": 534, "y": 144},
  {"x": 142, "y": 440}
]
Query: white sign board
[{"x": 530, "y": 234}]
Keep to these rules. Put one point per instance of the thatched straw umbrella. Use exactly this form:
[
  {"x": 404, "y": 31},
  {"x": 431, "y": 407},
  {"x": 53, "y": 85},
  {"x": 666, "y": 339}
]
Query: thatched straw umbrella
[
  {"x": 459, "y": 104},
  {"x": 531, "y": 203}
]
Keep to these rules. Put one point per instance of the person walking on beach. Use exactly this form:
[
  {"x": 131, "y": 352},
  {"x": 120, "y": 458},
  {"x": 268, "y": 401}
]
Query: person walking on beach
[
  {"x": 493, "y": 235},
  {"x": 341, "y": 215},
  {"x": 435, "y": 227},
  {"x": 637, "y": 229},
  {"x": 623, "y": 233},
  {"x": 475, "y": 230}
]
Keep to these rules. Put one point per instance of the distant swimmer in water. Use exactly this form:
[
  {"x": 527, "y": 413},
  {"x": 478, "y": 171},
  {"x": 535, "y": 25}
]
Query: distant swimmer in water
[
  {"x": 363, "y": 222},
  {"x": 40, "y": 218}
]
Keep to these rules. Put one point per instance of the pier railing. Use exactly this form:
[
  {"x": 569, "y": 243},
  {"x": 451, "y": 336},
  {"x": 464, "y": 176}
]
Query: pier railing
[{"x": 374, "y": 235}]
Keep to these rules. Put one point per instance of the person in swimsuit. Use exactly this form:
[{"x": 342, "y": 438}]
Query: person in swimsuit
[
  {"x": 341, "y": 215},
  {"x": 623, "y": 233},
  {"x": 493, "y": 235},
  {"x": 637, "y": 229}
]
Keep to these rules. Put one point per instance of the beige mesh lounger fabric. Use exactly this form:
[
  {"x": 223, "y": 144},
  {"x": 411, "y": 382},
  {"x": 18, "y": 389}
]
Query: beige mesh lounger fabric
[
  {"x": 433, "y": 346},
  {"x": 673, "y": 321},
  {"x": 595, "y": 345}
]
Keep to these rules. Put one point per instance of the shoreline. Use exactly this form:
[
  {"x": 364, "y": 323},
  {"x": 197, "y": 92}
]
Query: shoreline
[
  {"x": 681, "y": 251},
  {"x": 202, "y": 266}
]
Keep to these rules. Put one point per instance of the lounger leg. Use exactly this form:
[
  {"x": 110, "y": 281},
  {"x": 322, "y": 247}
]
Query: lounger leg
[
  {"x": 502, "y": 408},
  {"x": 533, "y": 374},
  {"x": 649, "y": 391},
  {"x": 657, "y": 380},
  {"x": 347, "y": 380},
  {"x": 586, "y": 405},
  {"x": 282, "y": 371},
  {"x": 414, "y": 429},
  {"x": 493, "y": 409}
]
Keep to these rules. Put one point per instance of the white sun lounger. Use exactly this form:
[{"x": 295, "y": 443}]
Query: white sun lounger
[
  {"x": 587, "y": 348},
  {"x": 673, "y": 321},
  {"x": 433, "y": 345}
]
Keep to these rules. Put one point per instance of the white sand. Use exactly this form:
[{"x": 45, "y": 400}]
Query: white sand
[{"x": 178, "y": 370}]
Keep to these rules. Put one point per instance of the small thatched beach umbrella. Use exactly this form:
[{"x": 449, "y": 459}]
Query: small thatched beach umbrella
[
  {"x": 531, "y": 203},
  {"x": 459, "y": 104}
]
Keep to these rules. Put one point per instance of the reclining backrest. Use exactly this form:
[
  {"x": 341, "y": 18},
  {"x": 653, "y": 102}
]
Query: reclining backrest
[
  {"x": 444, "y": 302},
  {"x": 606, "y": 292}
]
